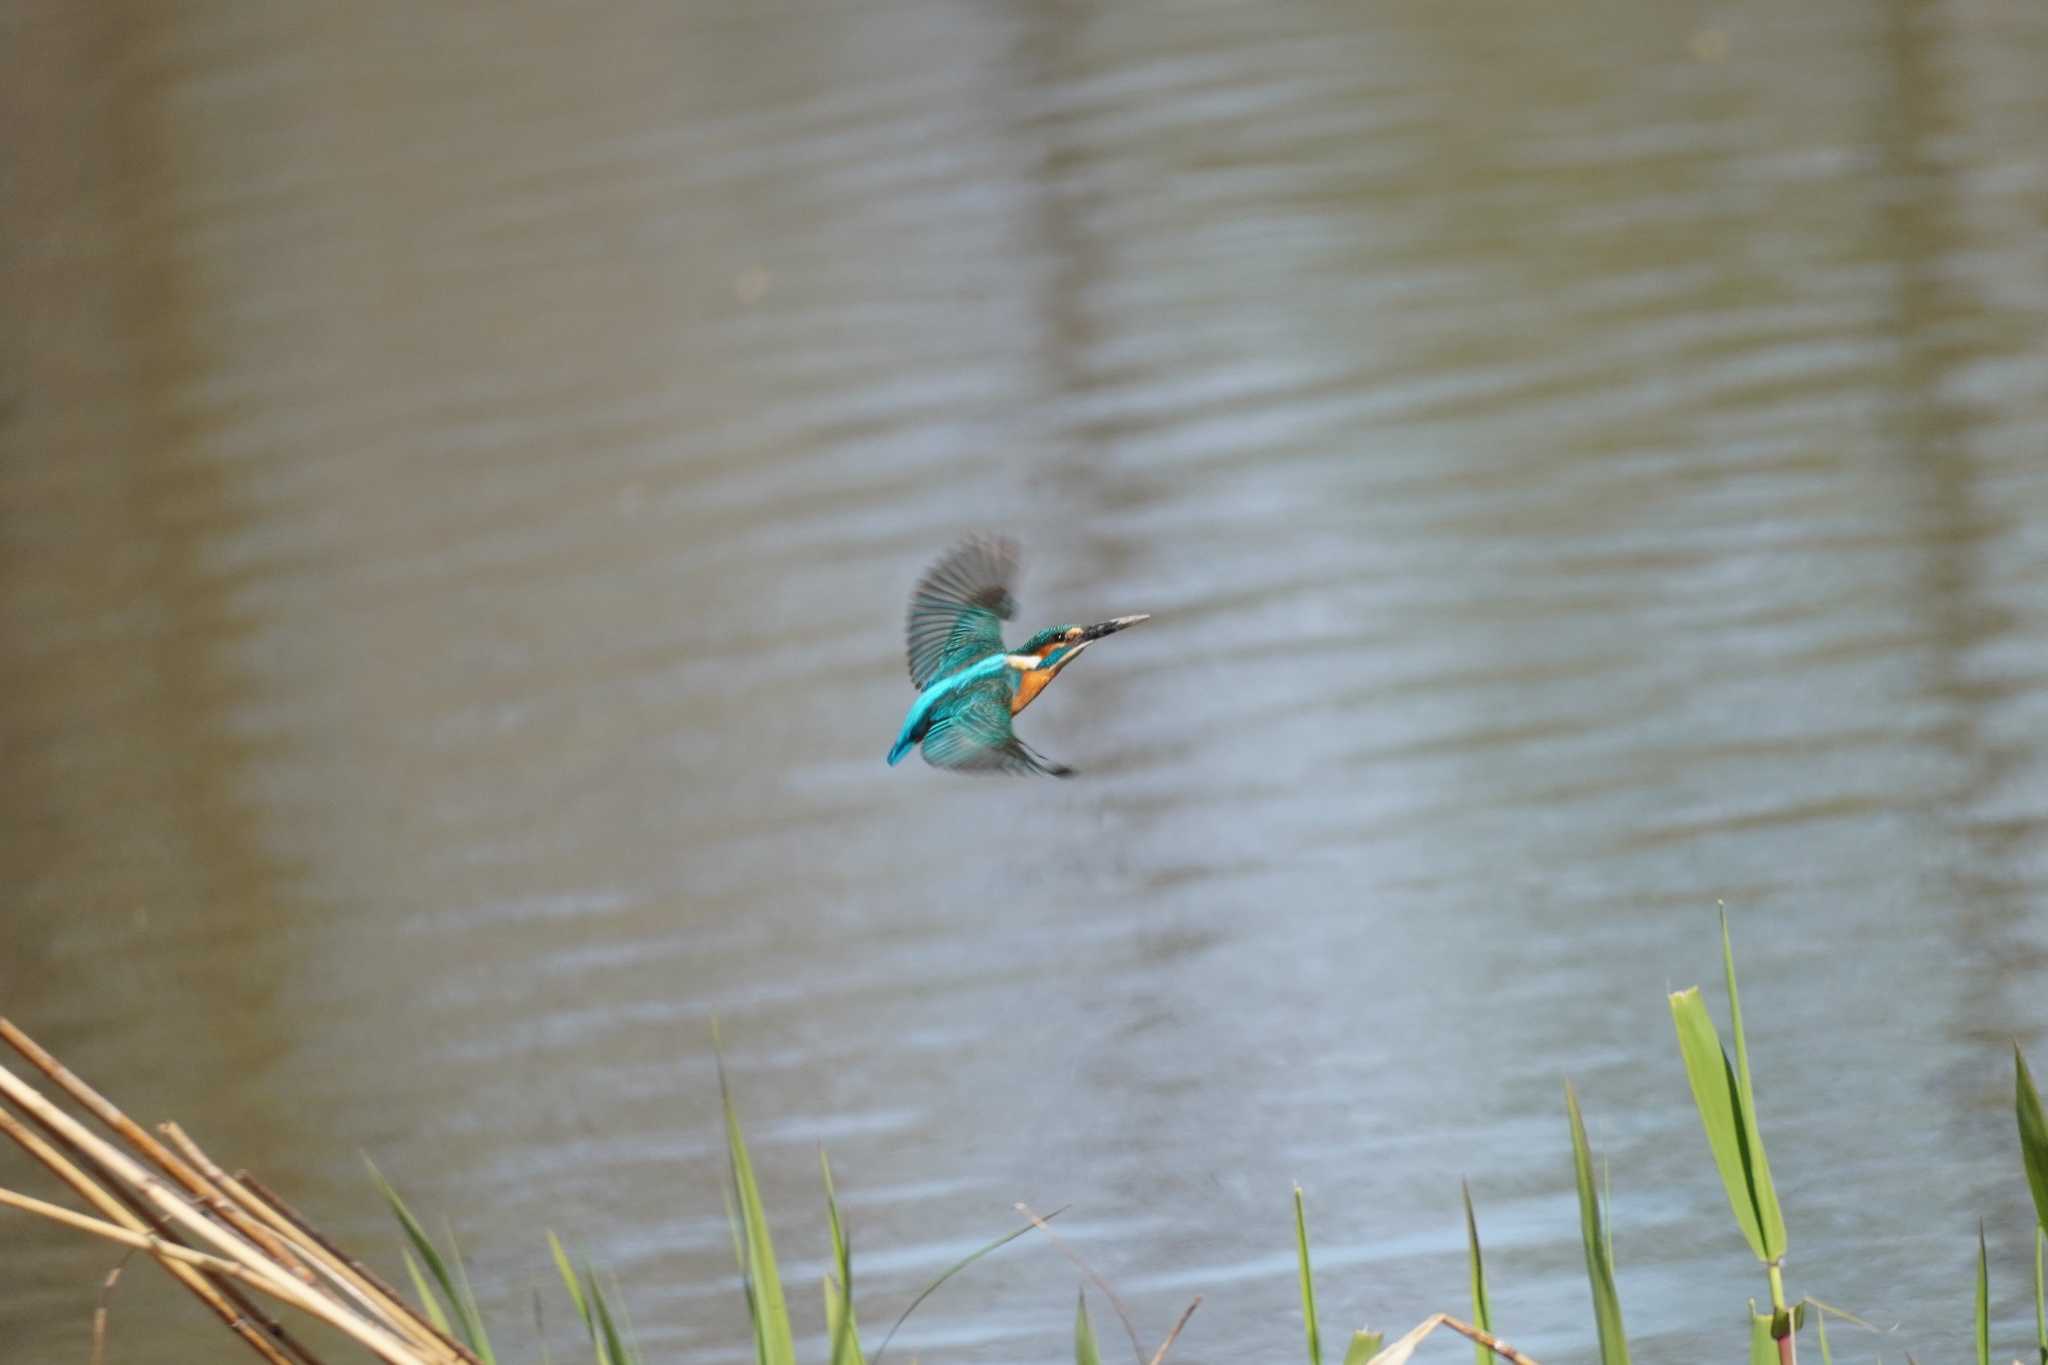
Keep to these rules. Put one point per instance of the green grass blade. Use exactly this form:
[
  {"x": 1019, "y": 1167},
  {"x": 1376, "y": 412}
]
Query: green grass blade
[
  {"x": 1716, "y": 1094},
  {"x": 582, "y": 1301},
  {"x": 1599, "y": 1266},
  {"x": 429, "y": 1301},
  {"x": 839, "y": 1317},
  {"x": 1364, "y": 1346},
  {"x": 773, "y": 1342},
  {"x": 466, "y": 1326},
  {"x": 1482, "y": 1314},
  {"x": 1820, "y": 1326},
  {"x": 1771, "y": 1218},
  {"x": 950, "y": 1272},
  {"x": 1983, "y": 1300},
  {"x": 614, "y": 1349},
  {"x": 472, "y": 1317},
  {"x": 1308, "y": 1286},
  {"x": 2040, "y": 1295},
  {"x": 568, "y": 1274},
  {"x": 1085, "y": 1352},
  {"x": 2033, "y": 1134},
  {"x": 422, "y": 1245},
  {"x": 839, "y": 1251},
  {"x": 739, "y": 1259},
  {"x": 840, "y": 1328},
  {"x": 633, "y": 1354},
  {"x": 1606, "y": 1202}
]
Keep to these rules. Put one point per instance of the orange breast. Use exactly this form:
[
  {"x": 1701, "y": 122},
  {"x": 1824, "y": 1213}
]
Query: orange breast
[{"x": 1029, "y": 685}]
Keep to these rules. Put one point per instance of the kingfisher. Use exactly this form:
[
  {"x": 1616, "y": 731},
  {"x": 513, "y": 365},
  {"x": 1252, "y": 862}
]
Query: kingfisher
[{"x": 969, "y": 686}]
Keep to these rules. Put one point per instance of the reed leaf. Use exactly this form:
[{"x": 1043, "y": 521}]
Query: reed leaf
[
  {"x": 1722, "y": 1093},
  {"x": 615, "y": 1349},
  {"x": 1599, "y": 1264},
  {"x": 468, "y": 1324},
  {"x": 470, "y": 1312},
  {"x": 2040, "y": 1295},
  {"x": 1085, "y": 1351},
  {"x": 1983, "y": 1300},
  {"x": 774, "y": 1344},
  {"x": 839, "y": 1316},
  {"x": 1764, "y": 1191},
  {"x": 1482, "y": 1314},
  {"x": 568, "y": 1274},
  {"x": 2033, "y": 1134},
  {"x": 1364, "y": 1346},
  {"x": 1820, "y": 1327},
  {"x": 633, "y": 1353},
  {"x": 840, "y": 1329},
  {"x": 1308, "y": 1287},
  {"x": 429, "y": 1300},
  {"x": 1716, "y": 1095}
]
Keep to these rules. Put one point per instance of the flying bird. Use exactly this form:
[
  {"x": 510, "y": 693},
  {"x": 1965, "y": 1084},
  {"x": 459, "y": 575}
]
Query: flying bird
[{"x": 968, "y": 685}]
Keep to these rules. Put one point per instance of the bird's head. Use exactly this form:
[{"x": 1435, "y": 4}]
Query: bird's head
[{"x": 1055, "y": 647}]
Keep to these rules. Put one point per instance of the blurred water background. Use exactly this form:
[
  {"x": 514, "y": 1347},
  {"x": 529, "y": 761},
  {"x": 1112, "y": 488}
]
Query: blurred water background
[{"x": 464, "y": 464}]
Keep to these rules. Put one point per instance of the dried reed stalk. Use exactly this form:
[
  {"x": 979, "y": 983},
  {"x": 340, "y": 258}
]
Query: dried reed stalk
[
  {"x": 349, "y": 1274},
  {"x": 212, "y": 1232},
  {"x": 126, "y": 1128},
  {"x": 1400, "y": 1351},
  {"x": 204, "y": 1289}
]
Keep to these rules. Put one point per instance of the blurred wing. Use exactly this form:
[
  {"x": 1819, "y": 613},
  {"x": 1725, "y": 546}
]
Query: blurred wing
[
  {"x": 957, "y": 611},
  {"x": 975, "y": 735}
]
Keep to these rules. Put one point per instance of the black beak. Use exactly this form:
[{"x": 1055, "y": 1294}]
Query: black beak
[{"x": 1110, "y": 627}]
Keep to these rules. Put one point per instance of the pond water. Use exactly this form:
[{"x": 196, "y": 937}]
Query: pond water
[{"x": 464, "y": 466}]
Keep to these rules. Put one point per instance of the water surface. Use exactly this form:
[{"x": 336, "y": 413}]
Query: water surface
[{"x": 463, "y": 469}]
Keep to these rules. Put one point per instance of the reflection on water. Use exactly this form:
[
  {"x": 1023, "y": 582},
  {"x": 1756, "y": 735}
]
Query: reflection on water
[{"x": 463, "y": 469}]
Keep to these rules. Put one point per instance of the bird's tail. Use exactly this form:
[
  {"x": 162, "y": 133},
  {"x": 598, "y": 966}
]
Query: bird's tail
[{"x": 898, "y": 749}]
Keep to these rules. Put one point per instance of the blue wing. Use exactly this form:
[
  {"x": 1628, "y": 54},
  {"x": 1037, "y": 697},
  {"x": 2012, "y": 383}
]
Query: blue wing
[
  {"x": 974, "y": 735},
  {"x": 958, "y": 607}
]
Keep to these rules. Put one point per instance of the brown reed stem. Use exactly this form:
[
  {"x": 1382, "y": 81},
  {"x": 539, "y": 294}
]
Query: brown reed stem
[
  {"x": 392, "y": 1311},
  {"x": 1114, "y": 1302},
  {"x": 139, "y": 1138},
  {"x": 100, "y": 1311},
  {"x": 1159, "y": 1355},
  {"x": 271, "y": 1206},
  {"x": 1399, "y": 1352},
  {"x": 151, "y": 1242},
  {"x": 110, "y": 1114},
  {"x": 264, "y": 1273},
  {"x": 117, "y": 1214}
]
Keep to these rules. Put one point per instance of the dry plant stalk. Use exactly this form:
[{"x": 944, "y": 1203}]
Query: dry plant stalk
[
  {"x": 99, "y": 1312},
  {"x": 1400, "y": 1351},
  {"x": 1123, "y": 1315},
  {"x": 212, "y": 1232},
  {"x": 1159, "y": 1355}
]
